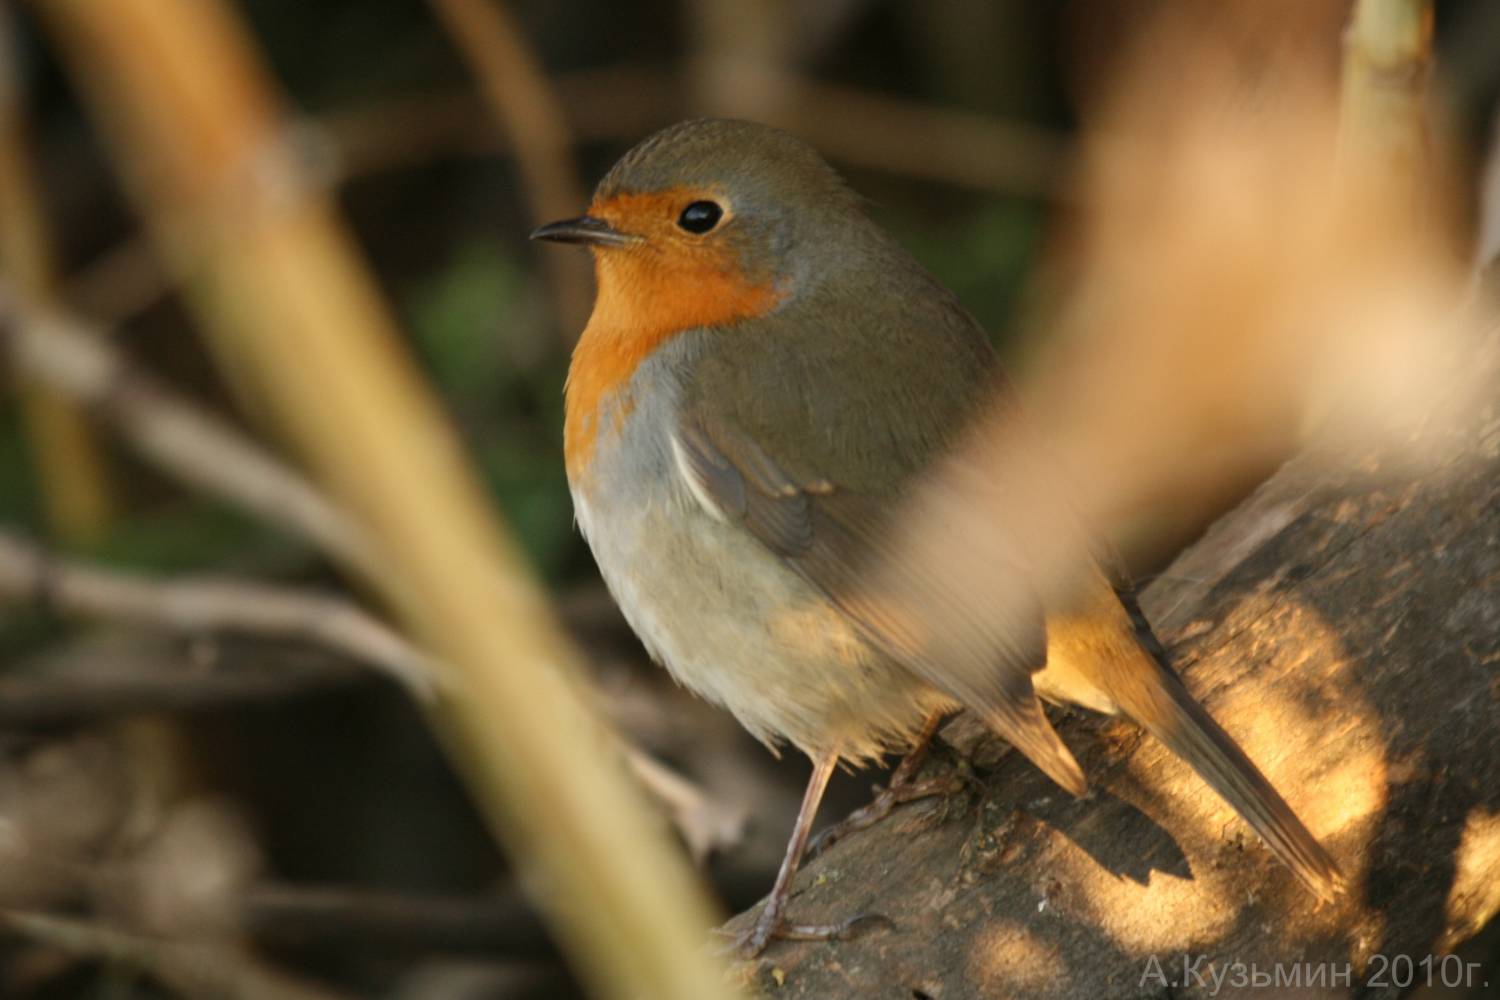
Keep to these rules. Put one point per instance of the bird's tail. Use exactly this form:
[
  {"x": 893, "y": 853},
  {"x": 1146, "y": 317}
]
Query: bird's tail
[{"x": 1168, "y": 712}]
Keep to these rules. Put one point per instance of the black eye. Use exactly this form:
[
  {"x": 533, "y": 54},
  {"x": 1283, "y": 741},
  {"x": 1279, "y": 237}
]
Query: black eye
[{"x": 700, "y": 216}]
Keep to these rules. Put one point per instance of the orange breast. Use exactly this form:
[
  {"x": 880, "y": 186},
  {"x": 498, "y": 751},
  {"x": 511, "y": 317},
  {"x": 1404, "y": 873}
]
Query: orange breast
[{"x": 647, "y": 294}]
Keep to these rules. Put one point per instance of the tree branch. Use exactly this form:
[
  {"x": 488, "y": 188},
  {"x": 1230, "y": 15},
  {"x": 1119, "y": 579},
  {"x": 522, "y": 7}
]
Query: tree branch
[
  {"x": 199, "y": 969},
  {"x": 187, "y": 440},
  {"x": 203, "y": 604}
]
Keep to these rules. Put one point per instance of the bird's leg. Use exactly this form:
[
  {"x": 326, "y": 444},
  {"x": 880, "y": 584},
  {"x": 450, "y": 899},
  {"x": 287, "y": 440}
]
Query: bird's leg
[
  {"x": 903, "y": 787},
  {"x": 768, "y": 923}
]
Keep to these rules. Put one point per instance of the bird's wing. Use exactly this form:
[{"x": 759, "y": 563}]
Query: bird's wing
[{"x": 844, "y": 542}]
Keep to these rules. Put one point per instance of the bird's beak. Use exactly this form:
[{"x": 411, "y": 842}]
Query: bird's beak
[{"x": 584, "y": 229}]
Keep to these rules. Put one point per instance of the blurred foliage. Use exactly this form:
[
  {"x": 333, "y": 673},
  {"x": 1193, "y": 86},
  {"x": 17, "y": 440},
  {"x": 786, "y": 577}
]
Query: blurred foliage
[
  {"x": 19, "y": 503},
  {"x": 194, "y": 535}
]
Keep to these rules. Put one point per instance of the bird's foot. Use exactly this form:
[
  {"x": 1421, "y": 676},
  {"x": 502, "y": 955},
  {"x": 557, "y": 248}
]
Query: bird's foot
[
  {"x": 769, "y": 925},
  {"x": 885, "y": 802},
  {"x": 903, "y": 787}
]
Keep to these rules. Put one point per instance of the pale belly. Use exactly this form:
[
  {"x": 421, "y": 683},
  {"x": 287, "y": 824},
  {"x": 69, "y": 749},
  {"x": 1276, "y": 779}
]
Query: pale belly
[{"x": 734, "y": 625}]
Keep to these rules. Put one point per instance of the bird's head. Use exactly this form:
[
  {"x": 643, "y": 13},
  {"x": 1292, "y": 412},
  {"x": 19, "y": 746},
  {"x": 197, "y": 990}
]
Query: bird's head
[{"x": 708, "y": 223}]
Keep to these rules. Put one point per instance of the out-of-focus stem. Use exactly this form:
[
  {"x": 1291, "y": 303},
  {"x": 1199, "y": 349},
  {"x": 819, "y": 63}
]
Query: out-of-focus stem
[
  {"x": 206, "y": 604},
  {"x": 194, "y": 444},
  {"x": 1384, "y": 100},
  {"x": 68, "y": 460},
  {"x": 275, "y": 280},
  {"x": 529, "y": 111}
]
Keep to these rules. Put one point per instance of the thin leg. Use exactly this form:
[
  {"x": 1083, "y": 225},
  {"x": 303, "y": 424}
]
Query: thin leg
[
  {"x": 903, "y": 787},
  {"x": 768, "y": 923},
  {"x": 769, "y": 920}
]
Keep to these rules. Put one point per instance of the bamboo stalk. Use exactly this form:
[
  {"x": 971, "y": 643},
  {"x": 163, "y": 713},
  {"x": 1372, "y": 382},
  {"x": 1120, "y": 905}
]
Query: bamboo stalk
[
  {"x": 274, "y": 279},
  {"x": 69, "y": 463}
]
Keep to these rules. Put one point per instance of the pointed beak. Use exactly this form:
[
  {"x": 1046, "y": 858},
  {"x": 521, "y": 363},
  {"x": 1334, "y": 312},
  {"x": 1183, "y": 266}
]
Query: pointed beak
[{"x": 584, "y": 229}]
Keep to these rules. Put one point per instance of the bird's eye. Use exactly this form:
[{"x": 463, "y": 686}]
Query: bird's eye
[{"x": 700, "y": 216}]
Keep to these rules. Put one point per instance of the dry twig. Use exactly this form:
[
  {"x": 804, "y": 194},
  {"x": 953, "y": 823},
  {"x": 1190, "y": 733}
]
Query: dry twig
[
  {"x": 859, "y": 128},
  {"x": 74, "y": 482},
  {"x": 195, "y": 969},
  {"x": 203, "y": 450},
  {"x": 110, "y": 676},
  {"x": 207, "y": 604},
  {"x": 185, "y": 439},
  {"x": 522, "y": 100}
]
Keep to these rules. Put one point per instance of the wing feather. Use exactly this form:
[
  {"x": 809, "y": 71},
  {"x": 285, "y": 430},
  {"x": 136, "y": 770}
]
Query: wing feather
[{"x": 835, "y": 538}]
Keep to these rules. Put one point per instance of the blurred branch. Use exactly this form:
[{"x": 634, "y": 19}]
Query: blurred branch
[
  {"x": 1487, "y": 236},
  {"x": 86, "y": 681},
  {"x": 521, "y": 99},
  {"x": 865, "y": 130},
  {"x": 203, "y": 450},
  {"x": 180, "y": 436},
  {"x": 916, "y": 140},
  {"x": 622, "y": 105},
  {"x": 707, "y": 824},
  {"x": 502, "y": 923},
  {"x": 203, "y": 604},
  {"x": 738, "y": 51},
  {"x": 274, "y": 279},
  {"x": 124, "y": 281},
  {"x": 195, "y": 969},
  {"x": 74, "y": 482},
  {"x": 1384, "y": 106}
]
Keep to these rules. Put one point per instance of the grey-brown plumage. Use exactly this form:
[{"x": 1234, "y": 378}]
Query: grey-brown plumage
[{"x": 745, "y": 474}]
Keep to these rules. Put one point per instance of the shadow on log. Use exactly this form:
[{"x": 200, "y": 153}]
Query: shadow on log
[{"x": 1344, "y": 625}]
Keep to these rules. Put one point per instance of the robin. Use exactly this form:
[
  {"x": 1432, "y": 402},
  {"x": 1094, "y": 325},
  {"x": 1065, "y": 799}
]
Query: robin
[{"x": 765, "y": 376}]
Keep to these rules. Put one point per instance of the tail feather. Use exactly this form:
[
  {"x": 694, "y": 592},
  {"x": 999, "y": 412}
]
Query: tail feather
[
  {"x": 1192, "y": 734},
  {"x": 1025, "y": 727}
]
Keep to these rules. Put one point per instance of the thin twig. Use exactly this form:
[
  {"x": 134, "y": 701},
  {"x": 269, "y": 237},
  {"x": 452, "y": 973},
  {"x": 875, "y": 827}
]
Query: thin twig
[
  {"x": 87, "y": 681},
  {"x": 196, "y": 969},
  {"x": 74, "y": 479},
  {"x": 862, "y": 129},
  {"x": 205, "y": 451},
  {"x": 501, "y": 923},
  {"x": 118, "y": 284},
  {"x": 206, "y": 604},
  {"x": 521, "y": 98},
  {"x": 186, "y": 439},
  {"x": 707, "y": 824},
  {"x": 737, "y": 56},
  {"x": 853, "y": 126}
]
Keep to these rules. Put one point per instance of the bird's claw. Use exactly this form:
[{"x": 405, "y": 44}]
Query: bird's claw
[
  {"x": 885, "y": 802},
  {"x": 750, "y": 942}
]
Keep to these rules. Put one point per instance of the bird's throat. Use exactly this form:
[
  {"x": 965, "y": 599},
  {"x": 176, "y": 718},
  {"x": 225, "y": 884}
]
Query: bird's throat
[{"x": 646, "y": 298}]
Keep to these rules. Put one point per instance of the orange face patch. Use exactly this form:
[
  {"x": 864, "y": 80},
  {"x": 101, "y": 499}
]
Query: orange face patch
[{"x": 670, "y": 282}]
